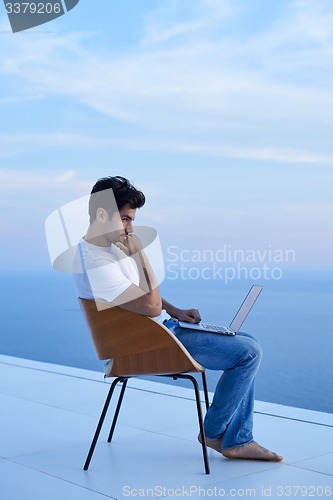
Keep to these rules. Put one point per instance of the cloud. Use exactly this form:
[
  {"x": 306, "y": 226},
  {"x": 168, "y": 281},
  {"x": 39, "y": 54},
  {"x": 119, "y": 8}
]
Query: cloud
[
  {"x": 199, "y": 77},
  {"x": 163, "y": 25},
  {"x": 314, "y": 20},
  {"x": 14, "y": 144},
  {"x": 19, "y": 100},
  {"x": 11, "y": 143},
  {"x": 27, "y": 187}
]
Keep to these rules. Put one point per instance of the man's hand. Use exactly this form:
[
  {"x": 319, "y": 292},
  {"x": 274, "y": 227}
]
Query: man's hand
[
  {"x": 130, "y": 244},
  {"x": 189, "y": 315}
]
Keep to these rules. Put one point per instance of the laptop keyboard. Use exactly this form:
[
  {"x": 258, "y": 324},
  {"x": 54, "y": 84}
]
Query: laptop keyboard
[{"x": 215, "y": 328}]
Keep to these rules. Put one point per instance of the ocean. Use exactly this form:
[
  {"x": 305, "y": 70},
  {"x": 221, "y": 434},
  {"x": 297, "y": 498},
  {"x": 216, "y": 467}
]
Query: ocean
[{"x": 293, "y": 319}]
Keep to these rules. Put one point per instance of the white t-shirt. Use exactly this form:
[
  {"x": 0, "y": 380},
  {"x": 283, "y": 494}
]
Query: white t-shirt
[{"x": 107, "y": 272}]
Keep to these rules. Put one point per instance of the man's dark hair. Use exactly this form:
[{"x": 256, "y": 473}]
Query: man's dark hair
[{"x": 124, "y": 192}]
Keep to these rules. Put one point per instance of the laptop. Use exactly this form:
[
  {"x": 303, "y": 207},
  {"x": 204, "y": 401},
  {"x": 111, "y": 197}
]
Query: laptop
[{"x": 238, "y": 320}]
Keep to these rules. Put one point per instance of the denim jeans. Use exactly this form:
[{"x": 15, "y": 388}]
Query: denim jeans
[{"x": 230, "y": 415}]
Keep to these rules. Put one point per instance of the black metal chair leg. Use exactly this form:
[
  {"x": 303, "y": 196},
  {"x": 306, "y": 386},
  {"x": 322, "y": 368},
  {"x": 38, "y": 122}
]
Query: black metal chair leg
[
  {"x": 100, "y": 423},
  {"x": 201, "y": 426},
  {"x": 204, "y": 383},
  {"x": 120, "y": 400},
  {"x": 202, "y": 430}
]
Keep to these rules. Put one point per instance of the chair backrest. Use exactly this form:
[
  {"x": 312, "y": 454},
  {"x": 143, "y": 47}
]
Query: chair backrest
[{"x": 138, "y": 344}]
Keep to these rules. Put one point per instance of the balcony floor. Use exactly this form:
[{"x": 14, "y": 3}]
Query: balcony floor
[{"x": 48, "y": 415}]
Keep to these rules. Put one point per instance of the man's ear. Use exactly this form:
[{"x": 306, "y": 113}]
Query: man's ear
[{"x": 101, "y": 215}]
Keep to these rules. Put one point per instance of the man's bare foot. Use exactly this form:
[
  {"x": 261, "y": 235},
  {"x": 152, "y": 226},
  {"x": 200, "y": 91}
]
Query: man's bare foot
[
  {"x": 215, "y": 444},
  {"x": 252, "y": 451}
]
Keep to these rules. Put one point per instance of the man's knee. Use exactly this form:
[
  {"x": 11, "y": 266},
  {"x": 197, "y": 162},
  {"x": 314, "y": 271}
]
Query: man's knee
[
  {"x": 252, "y": 344},
  {"x": 255, "y": 350}
]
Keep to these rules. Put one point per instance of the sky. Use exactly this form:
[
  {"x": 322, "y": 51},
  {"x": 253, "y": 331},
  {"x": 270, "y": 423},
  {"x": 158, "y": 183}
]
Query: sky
[{"x": 219, "y": 110}]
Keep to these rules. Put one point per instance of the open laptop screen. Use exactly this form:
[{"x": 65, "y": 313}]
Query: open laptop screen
[{"x": 245, "y": 308}]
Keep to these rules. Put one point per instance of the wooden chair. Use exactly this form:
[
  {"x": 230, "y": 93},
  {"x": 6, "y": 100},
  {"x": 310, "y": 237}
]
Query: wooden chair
[{"x": 138, "y": 345}]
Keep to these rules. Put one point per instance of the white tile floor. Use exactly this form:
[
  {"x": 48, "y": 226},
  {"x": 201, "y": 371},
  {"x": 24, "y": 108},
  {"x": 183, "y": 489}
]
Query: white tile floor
[{"x": 48, "y": 415}]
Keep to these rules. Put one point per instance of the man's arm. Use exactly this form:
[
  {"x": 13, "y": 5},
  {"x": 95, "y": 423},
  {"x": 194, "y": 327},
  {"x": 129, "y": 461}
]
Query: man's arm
[
  {"x": 145, "y": 298},
  {"x": 189, "y": 315}
]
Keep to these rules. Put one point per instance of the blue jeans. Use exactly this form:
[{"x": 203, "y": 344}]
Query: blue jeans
[{"x": 230, "y": 415}]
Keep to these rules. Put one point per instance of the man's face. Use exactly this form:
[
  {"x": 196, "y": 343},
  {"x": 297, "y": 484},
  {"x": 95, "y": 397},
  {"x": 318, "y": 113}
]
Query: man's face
[
  {"x": 127, "y": 216},
  {"x": 120, "y": 224}
]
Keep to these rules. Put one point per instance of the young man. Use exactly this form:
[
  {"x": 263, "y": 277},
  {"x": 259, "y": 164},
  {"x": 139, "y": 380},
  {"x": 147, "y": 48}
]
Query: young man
[{"x": 116, "y": 270}]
